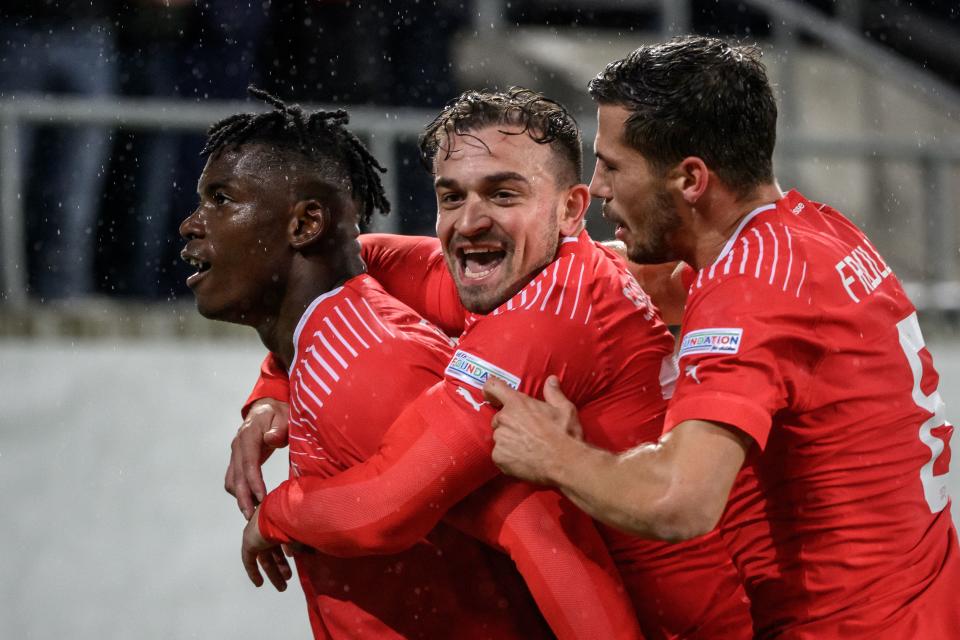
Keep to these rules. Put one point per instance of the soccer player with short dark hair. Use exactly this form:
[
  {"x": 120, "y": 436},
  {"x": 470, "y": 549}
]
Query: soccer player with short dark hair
[
  {"x": 274, "y": 240},
  {"x": 542, "y": 298},
  {"x": 806, "y": 420}
]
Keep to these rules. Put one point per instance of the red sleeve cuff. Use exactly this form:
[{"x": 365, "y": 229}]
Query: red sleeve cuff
[
  {"x": 272, "y": 383},
  {"x": 726, "y": 408},
  {"x": 265, "y": 518}
]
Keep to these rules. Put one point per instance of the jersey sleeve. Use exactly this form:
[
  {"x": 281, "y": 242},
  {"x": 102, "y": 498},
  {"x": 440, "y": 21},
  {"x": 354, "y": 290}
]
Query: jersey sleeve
[
  {"x": 738, "y": 350},
  {"x": 560, "y": 553},
  {"x": 272, "y": 383},
  {"x": 412, "y": 269},
  {"x": 427, "y": 462},
  {"x": 433, "y": 456}
]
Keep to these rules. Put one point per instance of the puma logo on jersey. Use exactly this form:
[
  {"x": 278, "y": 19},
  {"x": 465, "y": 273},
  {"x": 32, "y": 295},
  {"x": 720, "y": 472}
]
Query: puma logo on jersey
[
  {"x": 469, "y": 398},
  {"x": 691, "y": 371}
]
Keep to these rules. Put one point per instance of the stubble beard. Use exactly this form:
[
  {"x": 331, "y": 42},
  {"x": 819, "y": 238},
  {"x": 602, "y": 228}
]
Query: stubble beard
[{"x": 660, "y": 221}]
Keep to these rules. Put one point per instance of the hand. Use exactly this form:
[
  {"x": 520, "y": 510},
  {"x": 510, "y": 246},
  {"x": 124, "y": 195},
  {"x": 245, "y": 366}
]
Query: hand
[
  {"x": 269, "y": 554},
  {"x": 264, "y": 430},
  {"x": 530, "y": 436}
]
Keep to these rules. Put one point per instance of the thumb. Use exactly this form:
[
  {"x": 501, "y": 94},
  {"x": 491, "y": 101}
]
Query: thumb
[
  {"x": 554, "y": 397},
  {"x": 552, "y": 394},
  {"x": 496, "y": 392},
  {"x": 276, "y": 435}
]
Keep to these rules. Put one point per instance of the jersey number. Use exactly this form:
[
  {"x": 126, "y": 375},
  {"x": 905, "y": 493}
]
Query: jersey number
[{"x": 934, "y": 486}]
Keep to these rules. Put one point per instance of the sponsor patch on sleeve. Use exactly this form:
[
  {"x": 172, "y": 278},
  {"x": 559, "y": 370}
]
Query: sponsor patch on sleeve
[
  {"x": 726, "y": 340},
  {"x": 474, "y": 371}
]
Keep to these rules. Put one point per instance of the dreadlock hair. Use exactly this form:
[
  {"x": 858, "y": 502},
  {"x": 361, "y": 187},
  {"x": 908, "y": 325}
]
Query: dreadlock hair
[
  {"x": 320, "y": 137},
  {"x": 542, "y": 119},
  {"x": 696, "y": 96}
]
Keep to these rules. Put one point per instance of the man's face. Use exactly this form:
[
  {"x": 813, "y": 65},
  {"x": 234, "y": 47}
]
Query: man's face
[
  {"x": 634, "y": 196},
  {"x": 499, "y": 212},
  {"x": 237, "y": 237}
]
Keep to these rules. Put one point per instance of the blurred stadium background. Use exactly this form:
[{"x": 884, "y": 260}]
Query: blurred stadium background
[{"x": 119, "y": 401}]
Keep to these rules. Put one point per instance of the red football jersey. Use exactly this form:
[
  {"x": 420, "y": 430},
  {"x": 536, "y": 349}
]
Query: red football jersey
[
  {"x": 801, "y": 336},
  {"x": 359, "y": 489},
  {"x": 361, "y": 356},
  {"x": 584, "y": 319}
]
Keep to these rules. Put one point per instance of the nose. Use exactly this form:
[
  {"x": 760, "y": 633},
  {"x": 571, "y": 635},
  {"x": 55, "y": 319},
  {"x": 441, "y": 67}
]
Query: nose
[
  {"x": 599, "y": 188},
  {"x": 192, "y": 226},
  {"x": 473, "y": 219}
]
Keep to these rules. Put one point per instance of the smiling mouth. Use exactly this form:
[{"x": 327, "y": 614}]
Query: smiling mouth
[
  {"x": 477, "y": 263},
  {"x": 201, "y": 266}
]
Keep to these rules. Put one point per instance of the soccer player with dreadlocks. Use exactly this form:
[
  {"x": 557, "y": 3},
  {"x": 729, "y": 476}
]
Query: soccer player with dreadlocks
[{"x": 274, "y": 240}]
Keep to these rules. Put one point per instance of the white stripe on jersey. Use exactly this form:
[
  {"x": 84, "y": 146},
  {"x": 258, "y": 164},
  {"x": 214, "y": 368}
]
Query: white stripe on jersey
[
  {"x": 776, "y": 252},
  {"x": 306, "y": 316},
  {"x": 537, "y": 295},
  {"x": 308, "y": 391},
  {"x": 376, "y": 317},
  {"x": 301, "y": 406},
  {"x": 726, "y": 266},
  {"x": 553, "y": 283},
  {"x": 330, "y": 349},
  {"x": 802, "y": 276},
  {"x": 589, "y": 310},
  {"x": 362, "y": 321},
  {"x": 313, "y": 374},
  {"x": 756, "y": 274},
  {"x": 790, "y": 261},
  {"x": 747, "y": 218},
  {"x": 326, "y": 321},
  {"x": 563, "y": 288},
  {"x": 576, "y": 300},
  {"x": 352, "y": 330},
  {"x": 746, "y": 252},
  {"x": 312, "y": 350}
]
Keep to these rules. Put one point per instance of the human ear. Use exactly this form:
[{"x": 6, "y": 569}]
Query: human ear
[
  {"x": 574, "y": 208},
  {"x": 309, "y": 222},
  {"x": 690, "y": 178}
]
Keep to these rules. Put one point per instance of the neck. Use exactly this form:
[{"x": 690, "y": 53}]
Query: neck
[
  {"x": 716, "y": 218},
  {"x": 310, "y": 277}
]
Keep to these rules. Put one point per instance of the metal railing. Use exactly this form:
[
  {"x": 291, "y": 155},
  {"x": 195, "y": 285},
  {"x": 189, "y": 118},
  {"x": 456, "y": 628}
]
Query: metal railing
[
  {"x": 382, "y": 127},
  {"x": 938, "y": 287}
]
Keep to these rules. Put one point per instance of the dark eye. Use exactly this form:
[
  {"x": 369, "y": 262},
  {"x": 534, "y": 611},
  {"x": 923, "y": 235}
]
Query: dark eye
[
  {"x": 503, "y": 194},
  {"x": 449, "y": 197},
  {"x": 219, "y": 197}
]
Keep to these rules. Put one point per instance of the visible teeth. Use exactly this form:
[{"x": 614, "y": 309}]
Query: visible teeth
[{"x": 475, "y": 250}]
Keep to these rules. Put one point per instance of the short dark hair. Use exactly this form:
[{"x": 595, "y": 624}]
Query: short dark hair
[
  {"x": 320, "y": 137},
  {"x": 696, "y": 96},
  {"x": 543, "y": 120}
]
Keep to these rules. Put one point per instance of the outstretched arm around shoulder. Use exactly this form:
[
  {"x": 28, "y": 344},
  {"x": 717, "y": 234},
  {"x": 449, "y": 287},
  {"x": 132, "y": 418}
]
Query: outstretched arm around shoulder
[{"x": 674, "y": 489}]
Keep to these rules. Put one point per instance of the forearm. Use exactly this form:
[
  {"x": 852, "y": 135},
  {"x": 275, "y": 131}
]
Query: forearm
[
  {"x": 387, "y": 503},
  {"x": 559, "y": 553},
  {"x": 631, "y": 491}
]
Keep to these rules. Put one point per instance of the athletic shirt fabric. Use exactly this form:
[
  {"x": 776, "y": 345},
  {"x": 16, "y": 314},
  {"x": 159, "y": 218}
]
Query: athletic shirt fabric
[
  {"x": 585, "y": 319},
  {"x": 801, "y": 336},
  {"x": 359, "y": 488},
  {"x": 343, "y": 398}
]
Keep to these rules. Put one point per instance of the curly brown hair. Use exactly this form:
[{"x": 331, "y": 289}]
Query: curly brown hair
[{"x": 544, "y": 120}]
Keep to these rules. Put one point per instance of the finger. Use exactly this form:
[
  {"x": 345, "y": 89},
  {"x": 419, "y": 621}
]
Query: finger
[
  {"x": 281, "y": 561},
  {"x": 250, "y": 453},
  {"x": 497, "y": 392},
  {"x": 267, "y": 561},
  {"x": 245, "y": 499},
  {"x": 552, "y": 394},
  {"x": 277, "y": 435},
  {"x": 249, "y": 559}
]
